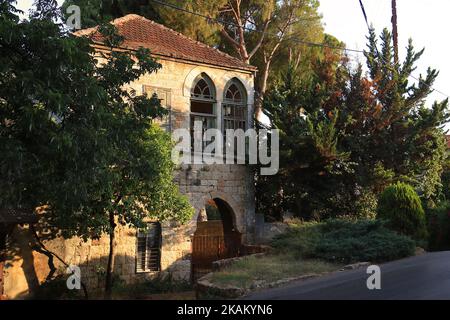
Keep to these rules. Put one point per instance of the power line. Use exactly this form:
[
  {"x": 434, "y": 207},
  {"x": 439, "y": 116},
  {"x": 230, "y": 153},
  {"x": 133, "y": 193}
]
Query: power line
[
  {"x": 364, "y": 13},
  {"x": 296, "y": 40},
  {"x": 430, "y": 87},
  {"x": 417, "y": 79},
  {"x": 223, "y": 22}
]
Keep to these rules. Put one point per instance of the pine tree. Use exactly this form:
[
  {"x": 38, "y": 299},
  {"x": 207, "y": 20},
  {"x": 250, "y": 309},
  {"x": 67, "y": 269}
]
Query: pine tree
[{"x": 345, "y": 136}]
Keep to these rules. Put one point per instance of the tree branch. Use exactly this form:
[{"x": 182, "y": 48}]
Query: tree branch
[
  {"x": 261, "y": 40},
  {"x": 44, "y": 248},
  {"x": 230, "y": 39}
]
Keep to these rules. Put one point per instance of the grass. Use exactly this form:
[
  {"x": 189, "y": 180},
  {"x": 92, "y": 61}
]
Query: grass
[
  {"x": 270, "y": 268},
  {"x": 308, "y": 248},
  {"x": 160, "y": 286}
]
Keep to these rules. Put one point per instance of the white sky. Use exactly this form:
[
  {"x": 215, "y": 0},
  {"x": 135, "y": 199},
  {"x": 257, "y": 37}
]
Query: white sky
[{"x": 425, "y": 21}]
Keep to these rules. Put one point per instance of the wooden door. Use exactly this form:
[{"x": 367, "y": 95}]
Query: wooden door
[{"x": 210, "y": 244}]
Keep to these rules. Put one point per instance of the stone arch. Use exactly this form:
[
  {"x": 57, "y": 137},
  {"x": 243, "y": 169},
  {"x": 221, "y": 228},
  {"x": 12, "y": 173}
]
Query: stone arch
[
  {"x": 206, "y": 79},
  {"x": 236, "y": 83},
  {"x": 232, "y": 206},
  {"x": 247, "y": 84},
  {"x": 193, "y": 74}
]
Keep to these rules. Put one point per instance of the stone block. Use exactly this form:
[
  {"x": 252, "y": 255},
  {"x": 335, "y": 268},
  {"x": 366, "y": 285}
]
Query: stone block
[{"x": 181, "y": 270}]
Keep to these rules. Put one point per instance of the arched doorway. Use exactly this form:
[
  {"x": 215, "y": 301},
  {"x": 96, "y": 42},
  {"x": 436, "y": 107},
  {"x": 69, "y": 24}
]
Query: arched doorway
[{"x": 216, "y": 237}]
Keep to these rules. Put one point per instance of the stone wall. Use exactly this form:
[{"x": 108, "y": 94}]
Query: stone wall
[
  {"x": 231, "y": 183},
  {"x": 26, "y": 268},
  {"x": 265, "y": 232}
]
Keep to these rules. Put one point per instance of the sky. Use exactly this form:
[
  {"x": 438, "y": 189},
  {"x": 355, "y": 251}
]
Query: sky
[{"x": 426, "y": 22}]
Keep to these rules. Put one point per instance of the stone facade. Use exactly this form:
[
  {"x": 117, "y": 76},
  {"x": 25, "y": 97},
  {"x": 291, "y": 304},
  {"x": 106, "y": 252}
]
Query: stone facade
[{"x": 26, "y": 268}]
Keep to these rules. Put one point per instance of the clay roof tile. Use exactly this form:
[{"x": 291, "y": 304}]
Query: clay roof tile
[{"x": 141, "y": 32}]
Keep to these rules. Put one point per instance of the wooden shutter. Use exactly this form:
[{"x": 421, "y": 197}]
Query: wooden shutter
[{"x": 165, "y": 96}]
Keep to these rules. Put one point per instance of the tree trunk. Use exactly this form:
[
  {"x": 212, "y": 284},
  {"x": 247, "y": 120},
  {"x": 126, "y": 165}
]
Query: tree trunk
[
  {"x": 110, "y": 267},
  {"x": 262, "y": 88},
  {"x": 395, "y": 30}
]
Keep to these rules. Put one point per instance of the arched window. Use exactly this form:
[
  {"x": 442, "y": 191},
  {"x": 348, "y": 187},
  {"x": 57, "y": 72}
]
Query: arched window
[
  {"x": 235, "y": 106},
  {"x": 203, "y": 103},
  {"x": 203, "y": 89}
]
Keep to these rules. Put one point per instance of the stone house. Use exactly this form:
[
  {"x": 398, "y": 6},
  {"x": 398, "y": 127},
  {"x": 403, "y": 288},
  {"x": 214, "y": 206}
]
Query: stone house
[{"x": 196, "y": 82}]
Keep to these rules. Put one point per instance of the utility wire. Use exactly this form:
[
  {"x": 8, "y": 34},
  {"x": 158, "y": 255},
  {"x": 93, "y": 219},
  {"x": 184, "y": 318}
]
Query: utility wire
[
  {"x": 364, "y": 13},
  {"x": 296, "y": 40},
  {"x": 223, "y": 22},
  {"x": 413, "y": 77}
]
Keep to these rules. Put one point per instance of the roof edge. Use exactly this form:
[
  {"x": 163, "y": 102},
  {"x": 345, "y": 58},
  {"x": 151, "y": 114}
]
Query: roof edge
[{"x": 130, "y": 17}]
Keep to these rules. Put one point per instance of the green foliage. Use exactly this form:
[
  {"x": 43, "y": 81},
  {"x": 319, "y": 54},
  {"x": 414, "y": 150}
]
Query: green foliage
[
  {"x": 73, "y": 139},
  {"x": 56, "y": 289},
  {"x": 345, "y": 241},
  {"x": 301, "y": 17},
  {"x": 158, "y": 285},
  {"x": 438, "y": 220},
  {"x": 345, "y": 136},
  {"x": 95, "y": 12},
  {"x": 212, "y": 211},
  {"x": 445, "y": 177},
  {"x": 400, "y": 205}
]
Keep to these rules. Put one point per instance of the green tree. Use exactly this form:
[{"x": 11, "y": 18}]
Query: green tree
[
  {"x": 72, "y": 140},
  {"x": 312, "y": 169},
  {"x": 387, "y": 125},
  {"x": 401, "y": 207},
  {"x": 346, "y": 136},
  {"x": 95, "y": 12}
]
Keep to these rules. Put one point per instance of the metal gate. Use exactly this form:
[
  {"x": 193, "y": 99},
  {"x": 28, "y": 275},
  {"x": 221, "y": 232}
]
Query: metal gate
[{"x": 210, "y": 244}]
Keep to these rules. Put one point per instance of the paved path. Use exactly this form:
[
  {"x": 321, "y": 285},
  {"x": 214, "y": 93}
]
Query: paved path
[{"x": 422, "y": 277}]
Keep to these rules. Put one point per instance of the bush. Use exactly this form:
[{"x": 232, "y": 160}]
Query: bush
[
  {"x": 56, "y": 289},
  {"x": 400, "y": 205},
  {"x": 345, "y": 241},
  {"x": 159, "y": 285},
  {"x": 438, "y": 220}
]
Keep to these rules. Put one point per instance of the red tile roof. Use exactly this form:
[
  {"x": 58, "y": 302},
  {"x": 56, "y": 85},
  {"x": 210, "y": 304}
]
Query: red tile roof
[{"x": 141, "y": 32}]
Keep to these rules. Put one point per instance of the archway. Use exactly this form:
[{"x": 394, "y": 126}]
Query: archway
[{"x": 216, "y": 237}]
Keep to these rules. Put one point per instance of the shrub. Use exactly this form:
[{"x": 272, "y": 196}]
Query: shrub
[
  {"x": 159, "y": 285},
  {"x": 56, "y": 289},
  {"x": 400, "y": 205},
  {"x": 345, "y": 241},
  {"x": 438, "y": 221}
]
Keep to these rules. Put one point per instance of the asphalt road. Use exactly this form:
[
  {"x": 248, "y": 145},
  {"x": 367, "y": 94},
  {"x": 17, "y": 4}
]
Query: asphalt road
[{"x": 417, "y": 278}]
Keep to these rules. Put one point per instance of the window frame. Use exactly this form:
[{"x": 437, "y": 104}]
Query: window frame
[
  {"x": 235, "y": 104},
  {"x": 166, "y": 122},
  {"x": 158, "y": 248},
  {"x": 206, "y": 116}
]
